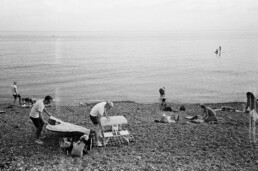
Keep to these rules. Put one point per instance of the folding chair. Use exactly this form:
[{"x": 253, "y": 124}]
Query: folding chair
[{"x": 117, "y": 131}]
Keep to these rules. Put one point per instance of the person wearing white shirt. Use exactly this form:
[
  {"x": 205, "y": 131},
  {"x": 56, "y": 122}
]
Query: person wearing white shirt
[
  {"x": 36, "y": 116},
  {"x": 98, "y": 111},
  {"x": 15, "y": 93}
]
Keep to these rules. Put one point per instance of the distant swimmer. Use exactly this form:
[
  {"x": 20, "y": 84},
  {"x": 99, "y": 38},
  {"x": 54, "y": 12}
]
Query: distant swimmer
[
  {"x": 216, "y": 51},
  {"x": 219, "y": 50}
]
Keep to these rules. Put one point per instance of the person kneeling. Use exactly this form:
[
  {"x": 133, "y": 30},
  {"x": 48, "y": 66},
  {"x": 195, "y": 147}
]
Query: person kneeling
[{"x": 209, "y": 114}]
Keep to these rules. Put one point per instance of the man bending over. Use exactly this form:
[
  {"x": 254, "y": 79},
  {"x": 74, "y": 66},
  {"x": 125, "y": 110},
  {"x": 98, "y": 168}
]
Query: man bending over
[
  {"x": 96, "y": 113},
  {"x": 36, "y": 116}
]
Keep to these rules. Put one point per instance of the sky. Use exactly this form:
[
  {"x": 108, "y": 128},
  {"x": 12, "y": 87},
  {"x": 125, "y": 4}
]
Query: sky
[{"x": 128, "y": 15}]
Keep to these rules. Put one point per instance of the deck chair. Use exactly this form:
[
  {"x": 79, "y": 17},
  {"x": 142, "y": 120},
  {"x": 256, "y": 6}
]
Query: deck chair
[{"x": 116, "y": 123}]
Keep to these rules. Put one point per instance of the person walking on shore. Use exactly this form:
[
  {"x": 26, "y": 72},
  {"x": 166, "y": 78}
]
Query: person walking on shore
[
  {"x": 15, "y": 93},
  {"x": 96, "y": 113},
  {"x": 36, "y": 116}
]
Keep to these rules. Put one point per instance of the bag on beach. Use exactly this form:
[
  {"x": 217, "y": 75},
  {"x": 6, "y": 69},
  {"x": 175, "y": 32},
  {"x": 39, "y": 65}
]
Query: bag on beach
[{"x": 77, "y": 150}]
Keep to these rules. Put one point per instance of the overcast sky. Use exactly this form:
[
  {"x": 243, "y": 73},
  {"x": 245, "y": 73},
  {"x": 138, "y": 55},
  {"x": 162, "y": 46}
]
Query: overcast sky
[{"x": 128, "y": 15}]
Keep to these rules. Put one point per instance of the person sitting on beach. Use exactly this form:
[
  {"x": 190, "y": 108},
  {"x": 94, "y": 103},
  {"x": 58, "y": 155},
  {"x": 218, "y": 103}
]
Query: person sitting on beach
[
  {"x": 15, "y": 93},
  {"x": 165, "y": 119},
  {"x": 163, "y": 106},
  {"x": 36, "y": 116},
  {"x": 27, "y": 102},
  {"x": 98, "y": 111},
  {"x": 227, "y": 108},
  {"x": 251, "y": 108},
  {"x": 209, "y": 114},
  {"x": 182, "y": 108}
]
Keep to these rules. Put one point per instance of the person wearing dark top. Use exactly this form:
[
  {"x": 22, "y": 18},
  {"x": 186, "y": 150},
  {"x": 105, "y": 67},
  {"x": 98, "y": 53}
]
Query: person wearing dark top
[
  {"x": 162, "y": 92},
  {"x": 251, "y": 109},
  {"x": 163, "y": 106}
]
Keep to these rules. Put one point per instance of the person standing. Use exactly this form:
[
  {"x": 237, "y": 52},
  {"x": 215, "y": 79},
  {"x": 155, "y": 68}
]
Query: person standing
[
  {"x": 251, "y": 108},
  {"x": 162, "y": 92},
  {"x": 36, "y": 116},
  {"x": 250, "y": 104},
  {"x": 97, "y": 112},
  {"x": 15, "y": 93}
]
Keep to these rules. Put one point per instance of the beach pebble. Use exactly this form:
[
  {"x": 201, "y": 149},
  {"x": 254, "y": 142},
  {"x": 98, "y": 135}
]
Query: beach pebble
[
  {"x": 20, "y": 168},
  {"x": 139, "y": 157}
]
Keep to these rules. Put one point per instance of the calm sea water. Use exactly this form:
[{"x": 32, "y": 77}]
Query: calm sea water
[{"x": 93, "y": 66}]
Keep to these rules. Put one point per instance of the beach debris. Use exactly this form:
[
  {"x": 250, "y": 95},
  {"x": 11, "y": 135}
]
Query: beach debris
[
  {"x": 81, "y": 104},
  {"x": 65, "y": 142}
]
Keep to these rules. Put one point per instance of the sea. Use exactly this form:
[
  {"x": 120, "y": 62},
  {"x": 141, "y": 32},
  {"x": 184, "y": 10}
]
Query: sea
[{"x": 92, "y": 66}]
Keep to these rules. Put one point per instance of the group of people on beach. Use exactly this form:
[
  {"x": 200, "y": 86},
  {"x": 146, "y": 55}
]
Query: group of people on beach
[
  {"x": 98, "y": 111},
  {"x": 101, "y": 109},
  {"x": 210, "y": 114}
]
